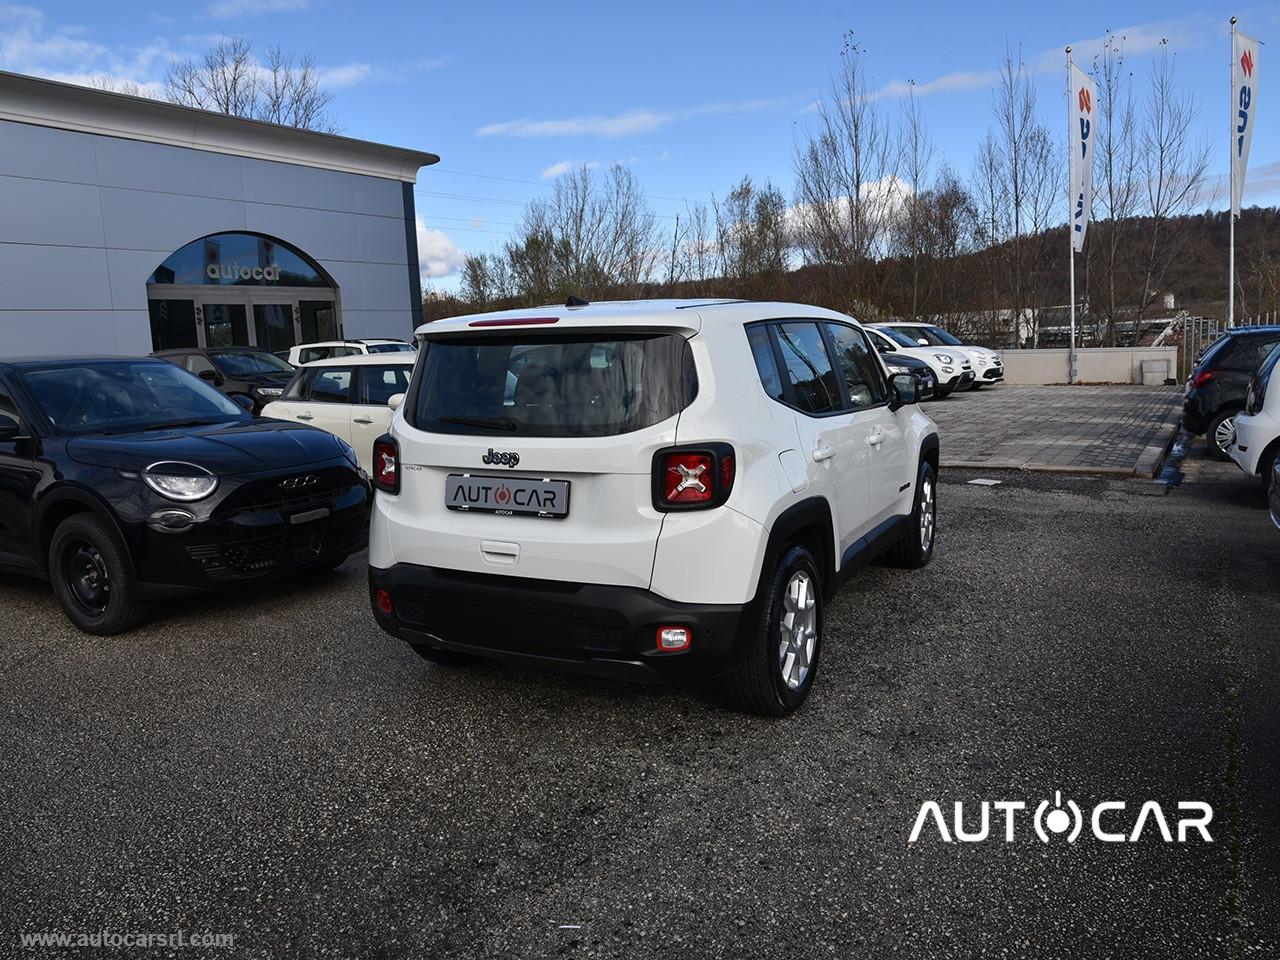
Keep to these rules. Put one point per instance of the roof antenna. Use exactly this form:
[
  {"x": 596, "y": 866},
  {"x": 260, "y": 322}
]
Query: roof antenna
[{"x": 576, "y": 302}]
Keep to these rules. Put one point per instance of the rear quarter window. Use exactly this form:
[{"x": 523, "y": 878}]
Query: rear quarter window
[{"x": 580, "y": 385}]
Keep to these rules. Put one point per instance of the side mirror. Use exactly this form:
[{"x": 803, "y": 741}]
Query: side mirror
[
  {"x": 211, "y": 376},
  {"x": 923, "y": 342},
  {"x": 395, "y": 400},
  {"x": 902, "y": 390},
  {"x": 245, "y": 402},
  {"x": 10, "y": 429},
  {"x": 884, "y": 347}
]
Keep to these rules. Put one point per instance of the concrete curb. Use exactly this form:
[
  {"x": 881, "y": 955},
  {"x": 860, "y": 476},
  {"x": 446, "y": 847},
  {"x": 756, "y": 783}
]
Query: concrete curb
[
  {"x": 1029, "y": 467},
  {"x": 1153, "y": 454}
]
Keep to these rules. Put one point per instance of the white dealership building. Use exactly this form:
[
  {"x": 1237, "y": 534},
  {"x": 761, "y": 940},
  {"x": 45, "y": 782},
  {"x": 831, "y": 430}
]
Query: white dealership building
[{"x": 129, "y": 225}]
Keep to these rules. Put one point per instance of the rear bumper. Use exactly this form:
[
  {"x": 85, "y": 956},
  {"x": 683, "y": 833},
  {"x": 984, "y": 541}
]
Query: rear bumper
[{"x": 587, "y": 628}]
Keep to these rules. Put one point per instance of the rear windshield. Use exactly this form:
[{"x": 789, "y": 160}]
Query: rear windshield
[
  {"x": 249, "y": 363},
  {"x": 390, "y": 347},
  {"x": 563, "y": 386}
]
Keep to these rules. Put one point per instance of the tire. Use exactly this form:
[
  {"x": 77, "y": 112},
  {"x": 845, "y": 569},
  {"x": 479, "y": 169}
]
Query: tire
[
  {"x": 92, "y": 576},
  {"x": 915, "y": 550},
  {"x": 781, "y": 663},
  {"x": 1221, "y": 429},
  {"x": 1267, "y": 470},
  {"x": 973, "y": 388},
  {"x": 941, "y": 393},
  {"x": 446, "y": 658}
]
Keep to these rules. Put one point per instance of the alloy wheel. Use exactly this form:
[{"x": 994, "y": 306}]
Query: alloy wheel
[
  {"x": 927, "y": 514},
  {"x": 1225, "y": 435},
  {"x": 798, "y": 629}
]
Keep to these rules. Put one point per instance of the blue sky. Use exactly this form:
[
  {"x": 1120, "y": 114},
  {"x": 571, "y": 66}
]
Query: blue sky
[{"x": 691, "y": 95}]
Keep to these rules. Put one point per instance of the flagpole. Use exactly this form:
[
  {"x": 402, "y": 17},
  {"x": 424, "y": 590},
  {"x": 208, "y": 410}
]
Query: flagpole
[
  {"x": 1231, "y": 199},
  {"x": 1071, "y": 244}
]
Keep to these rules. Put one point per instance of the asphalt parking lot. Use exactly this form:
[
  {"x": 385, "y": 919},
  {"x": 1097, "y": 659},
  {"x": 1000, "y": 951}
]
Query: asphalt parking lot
[{"x": 268, "y": 764}]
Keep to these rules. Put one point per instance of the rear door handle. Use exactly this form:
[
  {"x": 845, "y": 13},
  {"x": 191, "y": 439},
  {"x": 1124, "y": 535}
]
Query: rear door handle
[
  {"x": 305, "y": 416},
  {"x": 823, "y": 453},
  {"x": 361, "y": 420}
]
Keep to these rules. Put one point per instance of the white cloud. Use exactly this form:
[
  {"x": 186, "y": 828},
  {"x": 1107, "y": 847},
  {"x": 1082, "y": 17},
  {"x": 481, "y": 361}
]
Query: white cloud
[
  {"x": 346, "y": 75},
  {"x": 567, "y": 166},
  {"x": 628, "y": 124},
  {"x": 1138, "y": 40},
  {"x": 231, "y": 9},
  {"x": 437, "y": 254}
]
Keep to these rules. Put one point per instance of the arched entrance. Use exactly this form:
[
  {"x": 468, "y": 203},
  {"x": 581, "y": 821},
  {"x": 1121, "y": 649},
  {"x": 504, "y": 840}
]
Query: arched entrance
[{"x": 241, "y": 289}]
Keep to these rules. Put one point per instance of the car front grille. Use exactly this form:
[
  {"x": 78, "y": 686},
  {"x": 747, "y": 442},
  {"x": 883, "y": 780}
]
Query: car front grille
[{"x": 240, "y": 556}]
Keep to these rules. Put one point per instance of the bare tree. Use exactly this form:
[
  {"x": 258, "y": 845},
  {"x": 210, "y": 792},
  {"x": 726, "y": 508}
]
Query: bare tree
[
  {"x": 1173, "y": 170},
  {"x": 1014, "y": 106},
  {"x": 103, "y": 81},
  {"x": 846, "y": 174},
  {"x": 991, "y": 223},
  {"x": 1118, "y": 192},
  {"x": 229, "y": 79},
  {"x": 751, "y": 236},
  {"x": 595, "y": 233},
  {"x": 916, "y": 150}
]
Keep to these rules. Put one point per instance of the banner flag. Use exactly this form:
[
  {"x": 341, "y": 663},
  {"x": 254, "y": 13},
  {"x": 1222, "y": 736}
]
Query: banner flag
[
  {"x": 1084, "y": 103},
  {"x": 1244, "y": 84}
]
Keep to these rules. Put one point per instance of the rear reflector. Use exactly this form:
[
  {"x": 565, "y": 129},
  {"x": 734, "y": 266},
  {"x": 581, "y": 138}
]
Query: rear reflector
[
  {"x": 515, "y": 322},
  {"x": 383, "y": 600},
  {"x": 674, "y": 639}
]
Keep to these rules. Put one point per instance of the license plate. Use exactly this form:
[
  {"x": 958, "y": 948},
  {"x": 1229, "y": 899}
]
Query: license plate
[{"x": 508, "y": 496}]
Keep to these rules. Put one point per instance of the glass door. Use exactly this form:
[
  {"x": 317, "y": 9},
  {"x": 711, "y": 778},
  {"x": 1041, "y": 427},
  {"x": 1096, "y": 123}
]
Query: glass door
[
  {"x": 273, "y": 324},
  {"x": 225, "y": 326}
]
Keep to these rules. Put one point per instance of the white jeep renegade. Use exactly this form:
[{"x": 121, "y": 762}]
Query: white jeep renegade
[{"x": 650, "y": 490}]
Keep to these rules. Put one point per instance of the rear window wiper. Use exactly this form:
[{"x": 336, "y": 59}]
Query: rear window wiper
[{"x": 488, "y": 423}]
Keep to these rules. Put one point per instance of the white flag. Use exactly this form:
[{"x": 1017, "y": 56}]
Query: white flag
[
  {"x": 1084, "y": 106},
  {"x": 1244, "y": 84}
]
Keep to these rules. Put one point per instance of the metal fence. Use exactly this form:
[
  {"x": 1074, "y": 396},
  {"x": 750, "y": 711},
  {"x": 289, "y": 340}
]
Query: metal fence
[{"x": 1194, "y": 335}]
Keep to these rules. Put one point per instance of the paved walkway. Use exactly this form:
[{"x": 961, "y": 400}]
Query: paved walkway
[{"x": 1111, "y": 430}]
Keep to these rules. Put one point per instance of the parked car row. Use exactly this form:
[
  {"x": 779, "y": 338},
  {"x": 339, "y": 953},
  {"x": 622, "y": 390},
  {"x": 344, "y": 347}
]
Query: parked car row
[
  {"x": 647, "y": 490},
  {"x": 1232, "y": 399},
  {"x": 955, "y": 365}
]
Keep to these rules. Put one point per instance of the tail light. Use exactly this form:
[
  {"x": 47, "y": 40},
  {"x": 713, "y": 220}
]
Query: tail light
[
  {"x": 1203, "y": 377},
  {"x": 693, "y": 478},
  {"x": 386, "y": 464}
]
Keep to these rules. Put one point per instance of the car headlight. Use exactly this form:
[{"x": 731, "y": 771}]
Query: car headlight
[
  {"x": 944, "y": 357},
  {"x": 180, "y": 481},
  {"x": 270, "y": 392},
  {"x": 896, "y": 369},
  {"x": 348, "y": 451}
]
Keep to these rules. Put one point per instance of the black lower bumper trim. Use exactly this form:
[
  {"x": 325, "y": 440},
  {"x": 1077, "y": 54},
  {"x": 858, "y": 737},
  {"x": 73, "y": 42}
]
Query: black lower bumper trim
[{"x": 581, "y": 627}]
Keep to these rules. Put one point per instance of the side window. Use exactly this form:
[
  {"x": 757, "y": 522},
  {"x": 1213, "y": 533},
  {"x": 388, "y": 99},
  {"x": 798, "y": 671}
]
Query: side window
[
  {"x": 766, "y": 363},
  {"x": 313, "y": 353},
  {"x": 296, "y": 389},
  {"x": 198, "y": 364},
  {"x": 808, "y": 367},
  {"x": 347, "y": 351},
  {"x": 331, "y": 385},
  {"x": 1261, "y": 350},
  {"x": 7, "y": 406},
  {"x": 861, "y": 370},
  {"x": 882, "y": 343},
  {"x": 380, "y": 384}
]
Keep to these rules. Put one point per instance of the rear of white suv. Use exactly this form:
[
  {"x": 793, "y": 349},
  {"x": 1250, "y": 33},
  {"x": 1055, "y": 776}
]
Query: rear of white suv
[{"x": 617, "y": 488}]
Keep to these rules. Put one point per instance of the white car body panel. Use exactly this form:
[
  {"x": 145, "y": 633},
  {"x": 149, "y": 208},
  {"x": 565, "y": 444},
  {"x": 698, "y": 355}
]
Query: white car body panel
[{"x": 613, "y": 534}]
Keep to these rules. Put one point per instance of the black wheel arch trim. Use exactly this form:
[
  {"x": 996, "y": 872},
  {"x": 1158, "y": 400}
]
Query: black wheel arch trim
[
  {"x": 81, "y": 496},
  {"x": 813, "y": 512}
]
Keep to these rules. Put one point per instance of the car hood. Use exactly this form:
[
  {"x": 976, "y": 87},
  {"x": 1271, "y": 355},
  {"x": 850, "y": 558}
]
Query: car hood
[{"x": 227, "y": 449}]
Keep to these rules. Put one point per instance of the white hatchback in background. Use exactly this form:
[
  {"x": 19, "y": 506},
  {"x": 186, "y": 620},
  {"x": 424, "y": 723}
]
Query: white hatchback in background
[
  {"x": 951, "y": 368},
  {"x": 303, "y": 353},
  {"x": 350, "y": 397},
  {"x": 1256, "y": 446},
  {"x": 654, "y": 490},
  {"x": 987, "y": 365}
]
